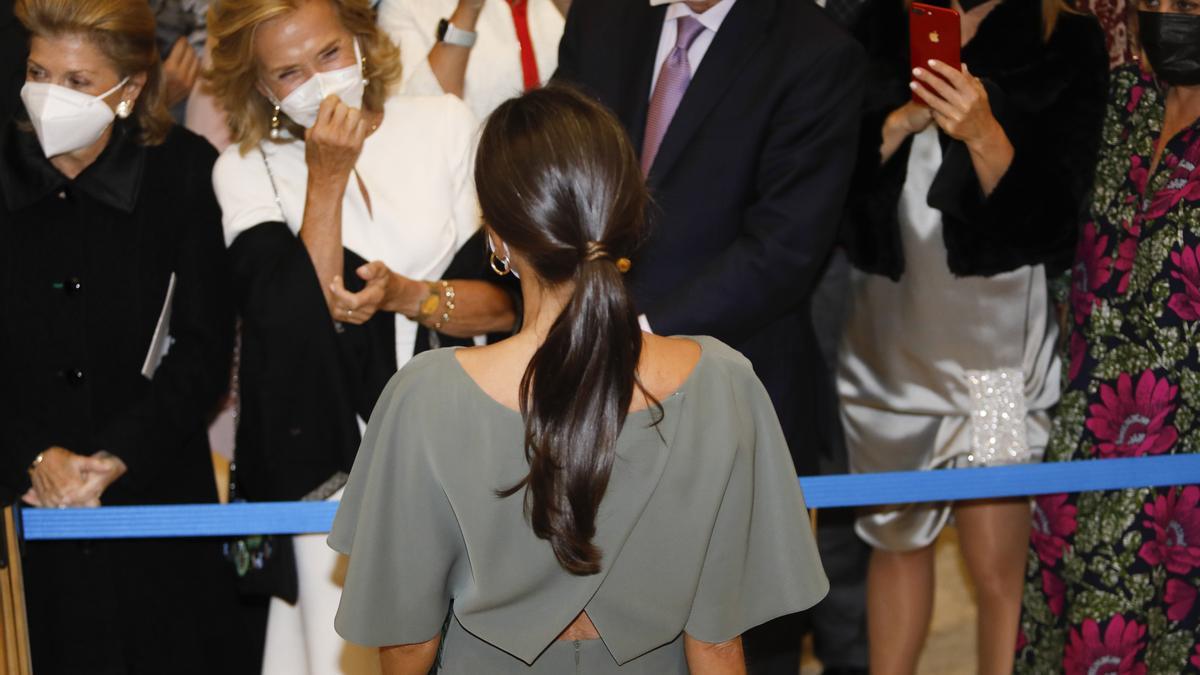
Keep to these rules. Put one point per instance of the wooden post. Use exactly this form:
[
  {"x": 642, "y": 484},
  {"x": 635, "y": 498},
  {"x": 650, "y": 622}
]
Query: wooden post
[{"x": 14, "y": 659}]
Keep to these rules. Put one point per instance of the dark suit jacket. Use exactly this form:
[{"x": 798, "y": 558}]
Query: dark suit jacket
[{"x": 749, "y": 182}]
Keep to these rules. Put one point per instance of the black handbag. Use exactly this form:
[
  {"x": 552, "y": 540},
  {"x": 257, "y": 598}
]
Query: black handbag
[{"x": 265, "y": 564}]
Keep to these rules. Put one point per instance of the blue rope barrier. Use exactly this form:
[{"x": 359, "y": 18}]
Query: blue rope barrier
[{"x": 820, "y": 492}]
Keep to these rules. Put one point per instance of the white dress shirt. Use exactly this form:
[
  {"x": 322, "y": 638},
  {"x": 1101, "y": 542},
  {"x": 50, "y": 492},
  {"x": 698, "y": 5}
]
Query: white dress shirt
[
  {"x": 418, "y": 170},
  {"x": 494, "y": 72},
  {"x": 710, "y": 19}
]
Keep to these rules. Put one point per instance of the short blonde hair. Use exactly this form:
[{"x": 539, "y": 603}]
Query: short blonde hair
[
  {"x": 123, "y": 30},
  {"x": 234, "y": 75}
]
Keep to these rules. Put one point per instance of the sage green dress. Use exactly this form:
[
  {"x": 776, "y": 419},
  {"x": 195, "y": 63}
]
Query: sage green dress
[{"x": 703, "y": 528}]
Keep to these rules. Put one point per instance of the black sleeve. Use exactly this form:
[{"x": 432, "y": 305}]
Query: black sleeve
[
  {"x": 195, "y": 372},
  {"x": 786, "y": 233},
  {"x": 870, "y": 231},
  {"x": 1032, "y": 215}
]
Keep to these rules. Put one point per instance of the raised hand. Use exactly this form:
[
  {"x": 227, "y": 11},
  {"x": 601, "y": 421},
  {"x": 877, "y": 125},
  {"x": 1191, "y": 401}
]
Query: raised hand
[
  {"x": 333, "y": 144},
  {"x": 958, "y": 102},
  {"x": 180, "y": 70}
]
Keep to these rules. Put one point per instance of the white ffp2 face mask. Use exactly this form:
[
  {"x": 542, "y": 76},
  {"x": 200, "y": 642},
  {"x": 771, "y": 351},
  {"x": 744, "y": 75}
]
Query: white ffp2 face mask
[
  {"x": 66, "y": 120},
  {"x": 348, "y": 84}
]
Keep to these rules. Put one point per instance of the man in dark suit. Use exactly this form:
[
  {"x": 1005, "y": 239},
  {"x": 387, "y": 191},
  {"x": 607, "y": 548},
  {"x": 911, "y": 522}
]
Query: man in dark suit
[{"x": 745, "y": 113}]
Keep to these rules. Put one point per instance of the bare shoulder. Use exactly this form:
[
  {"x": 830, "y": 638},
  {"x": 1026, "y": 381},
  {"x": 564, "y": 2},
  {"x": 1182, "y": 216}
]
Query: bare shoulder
[{"x": 667, "y": 362}]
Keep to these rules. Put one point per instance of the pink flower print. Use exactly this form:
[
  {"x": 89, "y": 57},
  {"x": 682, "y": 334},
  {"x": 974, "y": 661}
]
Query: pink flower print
[
  {"x": 1175, "y": 521},
  {"x": 1139, "y": 173},
  {"x": 1087, "y": 654},
  {"x": 1077, "y": 350},
  {"x": 1196, "y": 657},
  {"x": 1022, "y": 641},
  {"x": 1091, "y": 271},
  {"x": 1126, "y": 252},
  {"x": 1180, "y": 596},
  {"x": 1186, "y": 304},
  {"x": 1135, "y": 97},
  {"x": 1053, "y": 522},
  {"x": 1055, "y": 590},
  {"x": 1131, "y": 422},
  {"x": 1184, "y": 184}
]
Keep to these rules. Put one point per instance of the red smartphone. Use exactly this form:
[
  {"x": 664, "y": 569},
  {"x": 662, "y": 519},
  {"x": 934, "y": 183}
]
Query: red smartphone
[{"x": 934, "y": 33}]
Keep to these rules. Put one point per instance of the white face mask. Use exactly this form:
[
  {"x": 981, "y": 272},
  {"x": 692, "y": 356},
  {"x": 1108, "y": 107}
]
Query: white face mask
[
  {"x": 348, "y": 84},
  {"x": 66, "y": 120}
]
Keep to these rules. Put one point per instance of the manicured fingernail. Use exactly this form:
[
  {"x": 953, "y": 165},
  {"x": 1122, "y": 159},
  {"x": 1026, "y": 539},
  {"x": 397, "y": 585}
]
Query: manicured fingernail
[
  {"x": 913, "y": 85},
  {"x": 932, "y": 62},
  {"x": 917, "y": 71}
]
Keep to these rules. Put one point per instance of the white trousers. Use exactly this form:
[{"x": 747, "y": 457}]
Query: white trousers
[{"x": 300, "y": 637}]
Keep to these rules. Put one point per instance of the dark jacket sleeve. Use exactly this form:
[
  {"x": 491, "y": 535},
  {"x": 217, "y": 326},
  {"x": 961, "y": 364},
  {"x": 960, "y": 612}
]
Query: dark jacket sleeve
[
  {"x": 195, "y": 372},
  {"x": 869, "y": 231},
  {"x": 1053, "y": 122},
  {"x": 786, "y": 233},
  {"x": 303, "y": 377}
]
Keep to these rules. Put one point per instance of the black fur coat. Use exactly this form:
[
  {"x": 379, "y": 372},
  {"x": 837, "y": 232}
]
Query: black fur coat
[{"x": 1050, "y": 99}]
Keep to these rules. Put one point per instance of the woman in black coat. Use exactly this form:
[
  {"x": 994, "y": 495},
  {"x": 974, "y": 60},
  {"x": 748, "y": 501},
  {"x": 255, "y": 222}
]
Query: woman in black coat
[
  {"x": 964, "y": 211},
  {"x": 116, "y": 332}
]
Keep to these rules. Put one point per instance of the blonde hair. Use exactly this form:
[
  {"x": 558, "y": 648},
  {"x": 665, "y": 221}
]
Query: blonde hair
[
  {"x": 123, "y": 30},
  {"x": 234, "y": 75}
]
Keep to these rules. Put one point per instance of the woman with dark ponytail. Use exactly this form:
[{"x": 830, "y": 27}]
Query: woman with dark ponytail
[{"x": 581, "y": 497}]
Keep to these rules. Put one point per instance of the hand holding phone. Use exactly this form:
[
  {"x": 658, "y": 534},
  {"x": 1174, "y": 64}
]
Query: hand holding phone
[{"x": 935, "y": 33}]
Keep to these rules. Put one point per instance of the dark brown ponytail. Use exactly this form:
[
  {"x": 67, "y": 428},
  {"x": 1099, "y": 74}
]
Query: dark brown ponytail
[{"x": 559, "y": 182}]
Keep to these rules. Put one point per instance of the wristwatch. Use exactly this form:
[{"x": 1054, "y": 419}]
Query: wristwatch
[{"x": 451, "y": 35}]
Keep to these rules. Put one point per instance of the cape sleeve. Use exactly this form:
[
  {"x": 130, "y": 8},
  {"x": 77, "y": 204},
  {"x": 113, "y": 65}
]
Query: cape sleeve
[
  {"x": 762, "y": 559},
  {"x": 396, "y": 524}
]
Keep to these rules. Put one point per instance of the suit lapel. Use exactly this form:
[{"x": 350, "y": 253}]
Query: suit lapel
[
  {"x": 740, "y": 35},
  {"x": 639, "y": 54}
]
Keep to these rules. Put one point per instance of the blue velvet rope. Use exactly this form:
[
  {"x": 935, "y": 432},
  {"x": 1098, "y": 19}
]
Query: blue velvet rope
[{"x": 820, "y": 492}]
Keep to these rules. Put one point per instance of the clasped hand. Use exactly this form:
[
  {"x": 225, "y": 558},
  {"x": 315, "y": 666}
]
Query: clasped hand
[
  {"x": 64, "y": 478},
  {"x": 384, "y": 291}
]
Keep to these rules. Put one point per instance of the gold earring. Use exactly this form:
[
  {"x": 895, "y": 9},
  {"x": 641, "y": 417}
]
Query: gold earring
[
  {"x": 275, "y": 124},
  {"x": 124, "y": 109},
  {"x": 500, "y": 265}
]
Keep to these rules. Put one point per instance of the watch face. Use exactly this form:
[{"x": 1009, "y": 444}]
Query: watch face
[
  {"x": 441, "y": 29},
  {"x": 430, "y": 305}
]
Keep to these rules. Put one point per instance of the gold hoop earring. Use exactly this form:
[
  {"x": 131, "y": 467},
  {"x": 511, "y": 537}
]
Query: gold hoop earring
[
  {"x": 500, "y": 265},
  {"x": 275, "y": 124}
]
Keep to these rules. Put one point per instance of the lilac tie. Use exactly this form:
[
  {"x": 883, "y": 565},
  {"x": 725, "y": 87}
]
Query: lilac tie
[{"x": 673, "y": 81}]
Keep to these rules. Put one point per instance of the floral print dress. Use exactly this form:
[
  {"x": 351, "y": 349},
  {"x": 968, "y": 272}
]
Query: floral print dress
[{"x": 1113, "y": 577}]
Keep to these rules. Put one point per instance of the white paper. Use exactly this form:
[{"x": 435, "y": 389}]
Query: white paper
[{"x": 160, "y": 344}]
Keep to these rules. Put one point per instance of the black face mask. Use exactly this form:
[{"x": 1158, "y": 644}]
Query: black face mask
[{"x": 1172, "y": 45}]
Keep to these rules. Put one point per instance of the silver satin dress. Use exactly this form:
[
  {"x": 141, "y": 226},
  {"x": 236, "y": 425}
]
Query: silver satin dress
[{"x": 937, "y": 371}]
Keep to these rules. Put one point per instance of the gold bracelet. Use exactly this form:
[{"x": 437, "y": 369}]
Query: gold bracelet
[
  {"x": 431, "y": 302},
  {"x": 448, "y": 293}
]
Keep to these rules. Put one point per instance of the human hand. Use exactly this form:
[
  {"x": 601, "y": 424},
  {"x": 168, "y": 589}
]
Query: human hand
[
  {"x": 958, "y": 102},
  {"x": 333, "y": 144},
  {"x": 910, "y": 118},
  {"x": 384, "y": 290},
  {"x": 180, "y": 70},
  {"x": 64, "y": 478}
]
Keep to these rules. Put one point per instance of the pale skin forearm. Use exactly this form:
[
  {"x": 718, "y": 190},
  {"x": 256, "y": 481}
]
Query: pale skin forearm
[
  {"x": 412, "y": 659},
  {"x": 321, "y": 230},
  {"x": 449, "y": 62},
  {"x": 479, "y": 307},
  {"x": 720, "y": 658},
  {"x": 991, "y": 156}
]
